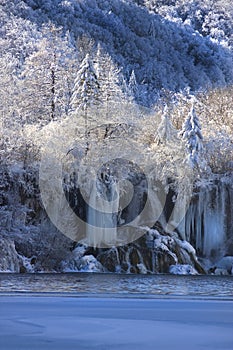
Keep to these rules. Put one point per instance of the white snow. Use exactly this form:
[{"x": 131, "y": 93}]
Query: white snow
[
  {"x": 27, "y": 263},
  {"x": 87, "y": 263},
  {"x": 182, "y": 269},
  {"x": 114, "y": 323},
  {"x": 142, "y": 268},
  {"x": 187, "y": 246}
]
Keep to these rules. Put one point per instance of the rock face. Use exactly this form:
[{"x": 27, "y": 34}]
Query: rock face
[
  {"x": 44, "y": 249},
  {"x": 33, "y": 251},
  {"x": 28, "y": 241},
  {"x": 152, "y": 253},
  {"x": 9, "y": 259}
]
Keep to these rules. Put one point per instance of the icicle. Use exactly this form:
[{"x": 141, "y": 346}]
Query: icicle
[
  {"x": 214, "y": 226},
  {"x": 205, "y": 225}
]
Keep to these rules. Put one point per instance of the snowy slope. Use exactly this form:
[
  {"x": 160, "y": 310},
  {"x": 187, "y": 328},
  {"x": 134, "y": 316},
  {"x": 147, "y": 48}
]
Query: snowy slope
[{"x": 169, "y": 46}]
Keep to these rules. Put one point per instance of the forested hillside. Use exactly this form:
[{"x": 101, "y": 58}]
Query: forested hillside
[{"x": 100, "y": 80}]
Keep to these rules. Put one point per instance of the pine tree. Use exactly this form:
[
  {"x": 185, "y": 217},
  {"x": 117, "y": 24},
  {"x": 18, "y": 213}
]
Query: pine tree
[
  {"x": 109, "y": 79},
  {"x": 192, "y": 136},
  {"x": 86, "y": 91},
  {"x": 133, "y": 86},
  {"x": 166, "y": 132},
  {"x": 86, "y": 95}
]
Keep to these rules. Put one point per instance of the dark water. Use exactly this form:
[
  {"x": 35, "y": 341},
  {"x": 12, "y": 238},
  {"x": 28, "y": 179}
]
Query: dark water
[{"x": 118, "y": 284}]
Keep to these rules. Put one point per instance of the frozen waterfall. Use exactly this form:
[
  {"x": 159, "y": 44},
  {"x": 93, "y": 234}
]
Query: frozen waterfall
[
  {"x": 208, "y": 222},
  {"x": 102, "y": 214}
]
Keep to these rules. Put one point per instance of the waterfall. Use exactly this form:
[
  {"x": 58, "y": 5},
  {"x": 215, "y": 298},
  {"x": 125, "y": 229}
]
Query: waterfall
[
  {"x": 206, "y": 225},
  {"x": 118, "y": 214},
  {"x": 206, "y": 221},
  {"x": 102, "y": 214}
]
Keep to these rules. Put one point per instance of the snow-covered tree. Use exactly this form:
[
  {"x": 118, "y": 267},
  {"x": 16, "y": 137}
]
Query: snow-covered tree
[
  {"x": 133, "y": 86},
  {"x": 166, "y": 133},
  {"x": 86, "y": 91},
  {"x": 86, "y": 95},
  {"x": 108, "y": 75},
  {"x": 112, "y": 118},
  {"x": 46, "y": 77},
  {"x": 192, "y": 136},
  {"x": 9, "y": 85}
]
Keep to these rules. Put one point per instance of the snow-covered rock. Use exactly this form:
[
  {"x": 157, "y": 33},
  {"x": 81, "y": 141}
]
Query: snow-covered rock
[
  {"x": 182, "y": 269},
  {"x": 142, "y": 268},
  {"x": 89, "y": 263},
  {"x": 224, "y": 266},
  {"x": 221, "y": 272},
  {"x": 27, "y": 264}
]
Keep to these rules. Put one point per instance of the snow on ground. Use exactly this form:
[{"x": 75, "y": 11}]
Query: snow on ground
[{"x": 48, "y": 323}]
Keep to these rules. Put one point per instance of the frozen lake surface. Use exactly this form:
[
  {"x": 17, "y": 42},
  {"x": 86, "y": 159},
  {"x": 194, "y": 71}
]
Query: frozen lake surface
[{"x": 76, "y": 323}]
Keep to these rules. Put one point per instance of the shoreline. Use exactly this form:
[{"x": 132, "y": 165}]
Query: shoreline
[{"x": 127, "y": 296}]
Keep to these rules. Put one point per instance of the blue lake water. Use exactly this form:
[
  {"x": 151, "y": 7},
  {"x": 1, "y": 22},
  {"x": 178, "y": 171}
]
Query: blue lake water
[{"x": 118, "y": 284}]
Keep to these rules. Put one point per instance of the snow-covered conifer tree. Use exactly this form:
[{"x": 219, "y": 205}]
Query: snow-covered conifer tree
[
  {"x": 166, "y": 132},
  {"x": 86, "y": 95},
  {"x": 109, "y": 79},
  {"x": 133, "y": 86},
  {"x": 86, "y": 87},
  {"x": 192, "y": 136}
]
